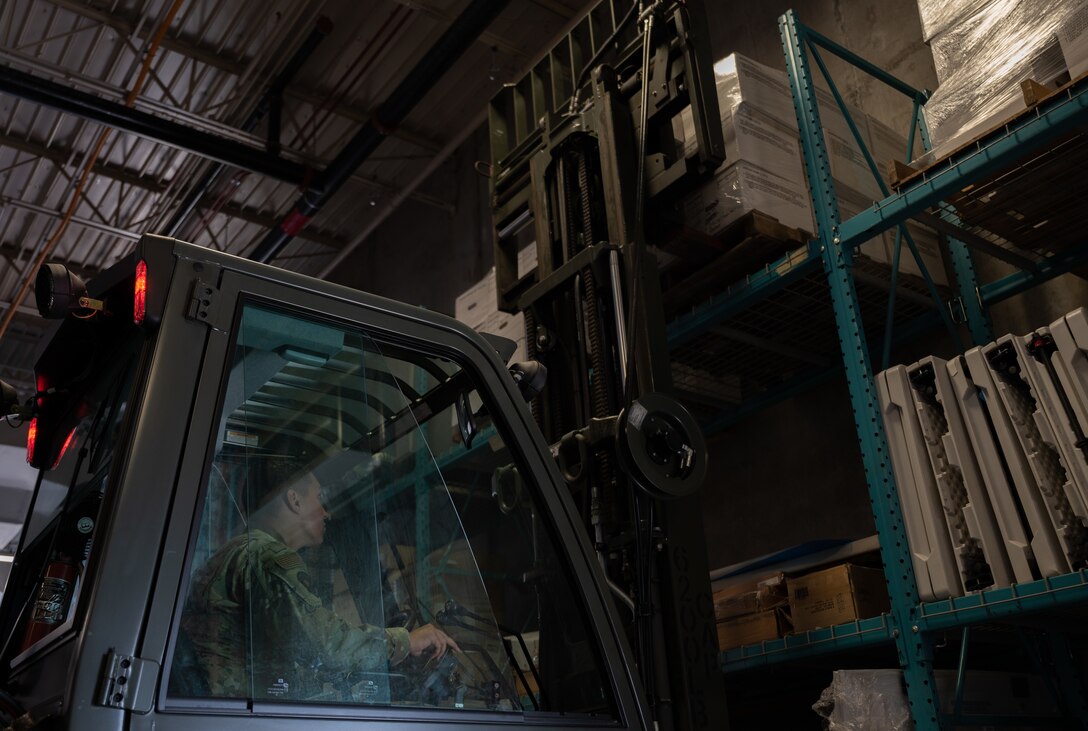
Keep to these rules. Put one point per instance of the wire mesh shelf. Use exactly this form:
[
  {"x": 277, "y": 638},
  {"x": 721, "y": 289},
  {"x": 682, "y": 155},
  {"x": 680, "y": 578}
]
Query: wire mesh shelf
[{"x": 790, "y": 334}]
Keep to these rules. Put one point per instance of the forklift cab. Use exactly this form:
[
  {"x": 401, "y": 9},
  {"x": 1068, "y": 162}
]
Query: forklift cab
[{"x": 164, "y": 395}]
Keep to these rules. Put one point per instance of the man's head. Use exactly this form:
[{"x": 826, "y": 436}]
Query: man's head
[{"x": 287, "y": 497}]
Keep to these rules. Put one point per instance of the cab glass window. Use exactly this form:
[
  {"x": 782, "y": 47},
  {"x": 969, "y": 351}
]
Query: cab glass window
[{"x": 367, "y": 537}]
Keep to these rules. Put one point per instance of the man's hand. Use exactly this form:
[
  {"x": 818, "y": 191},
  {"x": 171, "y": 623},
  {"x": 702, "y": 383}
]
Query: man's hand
[{"x": 428, "y": 636}]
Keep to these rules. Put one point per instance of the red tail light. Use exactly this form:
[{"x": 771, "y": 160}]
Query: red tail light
[
  {"x": 139, "y": 296},
  {"x": 43, "y": 386},
  {"x": 67, "y": 443},
  {"x": 31, "y": 439}
]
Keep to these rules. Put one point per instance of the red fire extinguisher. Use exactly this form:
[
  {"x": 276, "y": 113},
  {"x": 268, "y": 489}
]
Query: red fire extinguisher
[{"x": 54, "y": 596}]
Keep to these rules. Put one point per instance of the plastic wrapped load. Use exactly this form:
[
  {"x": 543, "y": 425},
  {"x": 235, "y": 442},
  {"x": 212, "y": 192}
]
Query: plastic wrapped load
[
  {"x": 865, "y": 699},
  {"x": 742, "y": 187},
  {"x": 760, "y": 130},
  {"x": 764, "y": 168},
  {"x": 859, "y": 700},
  {"x": 939, "y": 15},
  {"x": 983, "y": 57}
]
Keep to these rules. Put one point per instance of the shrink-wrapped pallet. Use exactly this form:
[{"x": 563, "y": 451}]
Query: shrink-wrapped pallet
[{"x": 982, "y": 51}]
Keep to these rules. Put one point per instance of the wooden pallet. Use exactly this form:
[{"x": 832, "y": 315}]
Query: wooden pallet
[{"x": 706, "y": 265}]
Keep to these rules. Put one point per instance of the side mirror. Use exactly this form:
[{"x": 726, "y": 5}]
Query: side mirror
[
  {"x": 466, "y": 422},
  {"x": 531, "y": 377}
]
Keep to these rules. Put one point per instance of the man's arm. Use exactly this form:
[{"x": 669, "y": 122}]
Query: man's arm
[{"x": 294, "y": 609}]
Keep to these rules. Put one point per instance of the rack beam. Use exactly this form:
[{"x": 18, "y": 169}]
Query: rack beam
[
  {"x": 1058, "y": 115},
  {"x": 813, "y": 643},
  {"x": 1022, "y": 281},
  {"x": 1004, "y": 602}
]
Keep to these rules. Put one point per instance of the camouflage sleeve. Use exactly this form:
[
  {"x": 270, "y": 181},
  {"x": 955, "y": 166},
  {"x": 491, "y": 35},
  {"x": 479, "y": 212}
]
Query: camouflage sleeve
[
  {"x": 399, "y": 644},
  {"x": 295, "y": 609}
]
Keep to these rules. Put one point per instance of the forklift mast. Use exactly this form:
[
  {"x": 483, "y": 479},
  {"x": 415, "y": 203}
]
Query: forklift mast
[{"x": 584, "y": 156}]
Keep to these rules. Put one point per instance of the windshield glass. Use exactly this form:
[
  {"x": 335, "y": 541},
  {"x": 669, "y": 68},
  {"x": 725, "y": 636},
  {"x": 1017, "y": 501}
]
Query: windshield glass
[{"x": 367, "y": 537}]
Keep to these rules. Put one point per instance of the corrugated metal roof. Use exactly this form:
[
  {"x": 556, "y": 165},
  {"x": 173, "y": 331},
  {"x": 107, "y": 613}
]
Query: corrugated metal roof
[{"x": 214, "y": 66}]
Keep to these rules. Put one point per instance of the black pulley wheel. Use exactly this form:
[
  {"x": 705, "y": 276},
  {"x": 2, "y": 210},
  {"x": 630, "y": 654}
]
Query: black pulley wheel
[{"x": 662, "y": 448}]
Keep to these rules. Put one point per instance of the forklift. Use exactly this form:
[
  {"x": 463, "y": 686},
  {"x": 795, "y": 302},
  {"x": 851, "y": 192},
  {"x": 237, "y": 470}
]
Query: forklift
[{"x": 542, "y": 513}]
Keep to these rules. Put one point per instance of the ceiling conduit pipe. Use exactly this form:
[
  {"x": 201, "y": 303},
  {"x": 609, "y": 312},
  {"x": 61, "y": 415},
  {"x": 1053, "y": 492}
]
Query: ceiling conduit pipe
[
  {"x": 272, "y": 97},
  {"x": 149, "y": 126},
  {"x": 435, "y": 62}
]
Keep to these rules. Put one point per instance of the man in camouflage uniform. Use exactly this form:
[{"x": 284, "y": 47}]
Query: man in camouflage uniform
[{"x": 256, "y": 588}]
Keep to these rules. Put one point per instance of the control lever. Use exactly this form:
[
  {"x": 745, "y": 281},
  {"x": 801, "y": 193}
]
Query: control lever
[{"x": 451, "y": 614}]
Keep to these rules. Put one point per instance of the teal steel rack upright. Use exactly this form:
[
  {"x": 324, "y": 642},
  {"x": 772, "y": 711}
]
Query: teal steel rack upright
[{"x": 911, "y": 625}]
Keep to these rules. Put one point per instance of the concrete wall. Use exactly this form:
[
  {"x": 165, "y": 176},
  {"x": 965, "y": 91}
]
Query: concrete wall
[{"x": 425, "y": 256}]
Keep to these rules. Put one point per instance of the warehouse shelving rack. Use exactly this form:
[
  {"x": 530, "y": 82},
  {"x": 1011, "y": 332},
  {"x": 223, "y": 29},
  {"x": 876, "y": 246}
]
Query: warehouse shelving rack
[{"x": 910, "y": 624}]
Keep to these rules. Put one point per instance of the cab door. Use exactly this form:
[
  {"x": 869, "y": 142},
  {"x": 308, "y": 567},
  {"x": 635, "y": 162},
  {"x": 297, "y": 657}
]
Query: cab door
[{"x": 359, "y": 474}]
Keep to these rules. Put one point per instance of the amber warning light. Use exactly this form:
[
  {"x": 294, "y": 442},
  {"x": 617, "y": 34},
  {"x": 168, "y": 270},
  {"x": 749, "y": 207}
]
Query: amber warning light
[{"x": 139, "y": 295}]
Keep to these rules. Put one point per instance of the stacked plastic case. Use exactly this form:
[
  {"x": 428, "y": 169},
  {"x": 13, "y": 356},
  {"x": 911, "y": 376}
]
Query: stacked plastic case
[{"x": 990, "y": 457}]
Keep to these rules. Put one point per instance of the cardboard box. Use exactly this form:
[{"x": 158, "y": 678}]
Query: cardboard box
[
  {"x": 751, "y": 132},
  {"x": 760, "y": 126},
  {"x": 477, "y": 307},
  {"x": 764, "y": 87},
  {"x": 764, "y": 167},
  {"x": 507, "y": 326},
  {"x": 740, "y": 188},
  {"x": 850, "y": 171},
  {"x": 474, "y": 305},
  {"x": 757, "y": 595},
  {"x": 752, "y": 628},
  {"x": 839, "y": 594},
  {"x": 526, "y": 259}
]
